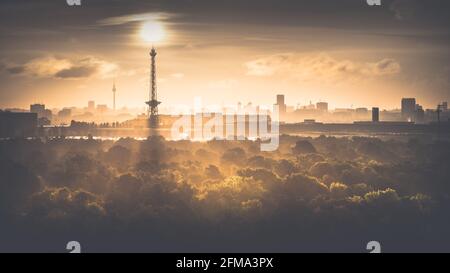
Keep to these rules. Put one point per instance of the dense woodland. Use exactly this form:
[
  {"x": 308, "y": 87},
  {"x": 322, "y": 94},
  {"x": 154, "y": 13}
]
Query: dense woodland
[{"x": 312, "y": 194}]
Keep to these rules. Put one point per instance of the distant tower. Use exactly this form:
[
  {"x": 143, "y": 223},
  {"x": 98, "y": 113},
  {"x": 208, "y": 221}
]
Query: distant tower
[
  {"x": 439, "y": 111},
  {"x": 375, "y": 114},
  {"x": 114, "y": 95},
  {"x": 153, "y": 101}
]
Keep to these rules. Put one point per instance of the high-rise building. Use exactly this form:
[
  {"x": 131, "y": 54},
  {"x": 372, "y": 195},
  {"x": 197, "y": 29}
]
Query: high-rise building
[
  {"x": 37, "y": 108},
  {"x": 281, "y": 106},
  {"x": 18, "y": 124},
  {"x": 444, "y": 106},
  {"x": 91, "y": 106},
  {"x": 408, "y": 109},
  {"x": 102, "y": 108},
  {"x": 375, "y": 114},
  {"x": 65, "y": 113},
  {"x": 322, "y": 106},
  {"x": 280, "y": 99},
  {"x": 41, "y": 112},
  {"x": 420, "y": 114}
]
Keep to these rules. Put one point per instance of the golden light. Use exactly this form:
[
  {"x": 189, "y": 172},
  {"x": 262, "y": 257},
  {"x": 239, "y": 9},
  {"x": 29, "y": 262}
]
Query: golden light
[{"x": 152, "y": 31}]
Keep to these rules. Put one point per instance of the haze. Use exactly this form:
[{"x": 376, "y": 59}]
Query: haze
[{"x": 343, "y": 52}]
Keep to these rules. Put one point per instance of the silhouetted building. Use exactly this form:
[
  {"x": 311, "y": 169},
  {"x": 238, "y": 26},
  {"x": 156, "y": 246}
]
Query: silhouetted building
[
  {"x": 18, "y": 124},
  {"x": 362, "y": 111},
  {"x": 281, "y": 106},
  {"x": 420, "y": 114},
  {"x": 375, "y": 114},
  {"x": 37, "y": 108},
  {"x": 408, "y": 109},
  {"x": 65, "y": 113},
  {"x": 322, "y": 106},
  {"x": 44, "y": 115},
  {"x": 102, "y": 108},
  {"x": 91, "y": 106},
  {"x": 280, "y": 99}
]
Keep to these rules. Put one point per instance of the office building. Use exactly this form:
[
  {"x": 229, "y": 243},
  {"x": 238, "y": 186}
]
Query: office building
[
  {"x": 408, "y": 109},
  {"x": 322, "y": 106},
  {"x": 375, "y": 114},
  {"x": 18, "y": 124}
]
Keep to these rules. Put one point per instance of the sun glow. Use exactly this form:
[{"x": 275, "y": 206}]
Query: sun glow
[{"x": 152, "y": 31}]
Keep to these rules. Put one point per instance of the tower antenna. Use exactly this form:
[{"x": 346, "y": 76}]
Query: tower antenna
[{"x": 114, "y": 95}]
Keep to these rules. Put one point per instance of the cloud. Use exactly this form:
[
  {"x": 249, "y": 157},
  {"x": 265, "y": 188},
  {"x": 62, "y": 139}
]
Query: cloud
[
  {"x": 16, "y": 69},
  {"x": 66, "y": 68},
  {"x": 386, "y": 67},
  {"x": 223, "y": 84},
  {"x": 319, "y": 67},
  {"x": 404, "y": 9},
  {"x": 382, "y": 196},
  {"x": 141, "y": 17},
  {"x": 76, "y": 72}
]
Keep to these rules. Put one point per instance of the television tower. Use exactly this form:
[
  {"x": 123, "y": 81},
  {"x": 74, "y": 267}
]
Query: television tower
[
  {"x": 153, "y": 100},
  {"x": 114, "y": 95}
]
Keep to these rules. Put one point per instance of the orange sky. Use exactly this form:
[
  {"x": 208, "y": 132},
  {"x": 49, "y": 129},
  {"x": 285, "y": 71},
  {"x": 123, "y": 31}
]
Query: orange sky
[{"x": 221, "y": 60}]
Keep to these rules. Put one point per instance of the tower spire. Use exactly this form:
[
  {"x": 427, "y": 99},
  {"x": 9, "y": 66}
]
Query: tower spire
[
  {"x": 114, "y": 95},
  {"x": 153, "y": 96}
]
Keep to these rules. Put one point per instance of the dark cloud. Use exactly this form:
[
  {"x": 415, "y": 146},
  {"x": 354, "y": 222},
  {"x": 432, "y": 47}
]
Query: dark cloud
[
  {"x": 319, "y": 13},
  {"x": 16, "y": 70},
  {"x": 64, "y": 68},
  {"x": 76, "y": 72},
  {"x": 405, "y": 9}
]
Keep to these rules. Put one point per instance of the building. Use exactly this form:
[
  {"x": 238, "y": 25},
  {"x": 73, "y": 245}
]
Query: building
[
  {"x": 18, "y": 124},
  {"x": 91, "y": 106},
  {"x": 408, "y": 109},
  {"x": 420, "y": 114},
  {"x": 322, "y": 106},
  {"x": 37, "y": 108},
  {"x": 44, "y": 115},
  {"x": 375, "y": 114},
  {"x": 65, "y": 113},
  {"x": 281, "y": 107},
  {"x": 281, "y": 103},
  {"x": 362, "y": 111},
  {"x": 102, "y": 108}
]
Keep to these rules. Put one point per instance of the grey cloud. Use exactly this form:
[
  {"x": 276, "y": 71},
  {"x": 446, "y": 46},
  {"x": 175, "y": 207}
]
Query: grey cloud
[
  {"x": 404, "y": 9},
  {"x": 16, "y": 69},
  {"x": 65, "y": 67},
  {"x": 76, "y": 72}
]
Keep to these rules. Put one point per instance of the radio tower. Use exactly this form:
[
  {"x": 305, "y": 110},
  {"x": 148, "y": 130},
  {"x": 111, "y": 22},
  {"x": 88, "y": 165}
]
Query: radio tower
[
  {"x": 153, "y": 100},
  {"x": 114, "y": 95}
]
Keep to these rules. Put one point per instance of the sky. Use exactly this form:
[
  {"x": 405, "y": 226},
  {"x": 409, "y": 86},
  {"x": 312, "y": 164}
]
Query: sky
[{"x": 344, "y": 52}]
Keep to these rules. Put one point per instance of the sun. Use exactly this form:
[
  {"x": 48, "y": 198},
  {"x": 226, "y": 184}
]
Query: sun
[{"x": 152, "y": 31}]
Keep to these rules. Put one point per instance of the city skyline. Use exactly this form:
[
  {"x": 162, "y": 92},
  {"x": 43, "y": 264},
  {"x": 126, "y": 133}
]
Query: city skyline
[
  {"x": 211, "y": 126},
  {"x": 349, "y": 54}
]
